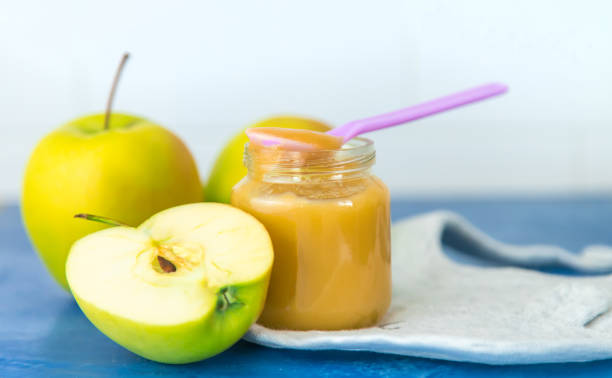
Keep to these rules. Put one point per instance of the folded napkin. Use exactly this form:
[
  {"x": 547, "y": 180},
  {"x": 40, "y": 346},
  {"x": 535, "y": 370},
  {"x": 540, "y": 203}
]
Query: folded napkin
[{"x": 445, "y": 309}]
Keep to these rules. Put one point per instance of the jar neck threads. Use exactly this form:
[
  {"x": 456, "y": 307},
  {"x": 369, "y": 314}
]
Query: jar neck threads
[{"x": 270, "y": 164}]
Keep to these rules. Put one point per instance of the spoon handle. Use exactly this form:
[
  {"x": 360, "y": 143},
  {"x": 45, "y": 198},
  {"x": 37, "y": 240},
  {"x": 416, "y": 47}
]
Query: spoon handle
[{"x": 354, "y": 128}]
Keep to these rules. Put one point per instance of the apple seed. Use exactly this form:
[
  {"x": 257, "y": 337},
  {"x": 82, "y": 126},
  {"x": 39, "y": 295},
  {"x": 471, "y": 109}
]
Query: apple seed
[{"x": 166, "y": 265}]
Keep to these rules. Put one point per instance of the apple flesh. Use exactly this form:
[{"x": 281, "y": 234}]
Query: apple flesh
[
  {"x": 183, "y": 286},
  {"x": 129, "y": 172}
]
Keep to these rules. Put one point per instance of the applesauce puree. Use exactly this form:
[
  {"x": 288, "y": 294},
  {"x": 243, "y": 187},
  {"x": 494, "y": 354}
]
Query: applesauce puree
[
  {"x": 294, "y": 138},
  {"x": 331, "y": 244}
]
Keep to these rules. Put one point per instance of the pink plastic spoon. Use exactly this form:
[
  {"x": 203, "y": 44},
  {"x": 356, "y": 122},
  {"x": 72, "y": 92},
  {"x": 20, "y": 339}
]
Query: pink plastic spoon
[{"x": 273, "y": 136}]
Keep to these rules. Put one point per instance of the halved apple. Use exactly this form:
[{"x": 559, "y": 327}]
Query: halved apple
[{"x": 183, "y": 286}]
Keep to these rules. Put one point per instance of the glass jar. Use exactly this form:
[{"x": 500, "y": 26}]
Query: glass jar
[{"x": 329, "y": 221}]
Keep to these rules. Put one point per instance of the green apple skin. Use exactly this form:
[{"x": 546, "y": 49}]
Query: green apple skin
[
  {"x": 228, "y": 169},
  {"x": 191, "y": 342},
  {"x": 129, "y": 172}
]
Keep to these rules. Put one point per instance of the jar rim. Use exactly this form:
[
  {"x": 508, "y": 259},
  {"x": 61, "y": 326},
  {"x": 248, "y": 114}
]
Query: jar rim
[{"x": 355, "y": 156}]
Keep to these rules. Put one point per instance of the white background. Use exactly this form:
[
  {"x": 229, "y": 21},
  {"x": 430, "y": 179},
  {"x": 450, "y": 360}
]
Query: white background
[{"x": 205, "y": 69}]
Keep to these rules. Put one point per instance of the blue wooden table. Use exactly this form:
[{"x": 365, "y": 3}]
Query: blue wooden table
[{"x": 43, "y": 333}]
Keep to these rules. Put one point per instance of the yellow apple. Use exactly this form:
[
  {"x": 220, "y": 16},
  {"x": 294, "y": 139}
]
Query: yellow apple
[
  {"x": 183, "y": 286},
  {"x": 228, "y": 168},
  {"x": 116, "y": 164},
  {"x": 129, "y": 171}
]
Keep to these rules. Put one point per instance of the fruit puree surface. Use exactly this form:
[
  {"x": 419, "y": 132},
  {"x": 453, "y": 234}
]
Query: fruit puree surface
[
  {"x": 331, "y": 244},
  {"x": 294, "y": 138}
]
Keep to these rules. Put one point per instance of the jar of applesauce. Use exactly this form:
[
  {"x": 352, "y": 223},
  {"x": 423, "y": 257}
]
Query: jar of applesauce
[{"x": 329, "y": 221}]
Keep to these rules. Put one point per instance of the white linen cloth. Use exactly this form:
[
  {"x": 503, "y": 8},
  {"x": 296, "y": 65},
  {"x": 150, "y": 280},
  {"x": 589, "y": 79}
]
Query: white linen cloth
[{"x": 496, "y": 315}]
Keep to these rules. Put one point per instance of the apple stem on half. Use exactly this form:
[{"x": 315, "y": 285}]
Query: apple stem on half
[
  {"x": 97, "y": 218},
  {"x": 111, "y": 96},
  {"x": 166, "y": 265}
]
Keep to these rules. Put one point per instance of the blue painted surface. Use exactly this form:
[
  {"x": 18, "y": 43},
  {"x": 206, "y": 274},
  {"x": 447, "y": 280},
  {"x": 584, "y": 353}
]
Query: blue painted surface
[{"x": 43, "y": 333}]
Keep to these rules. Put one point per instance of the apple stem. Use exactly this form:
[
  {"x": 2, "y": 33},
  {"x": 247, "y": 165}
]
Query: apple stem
[
  {"x": 166, "y": 265},
  {"x": 111, "y": 96},
  {"x": 97, "y": 218}
]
